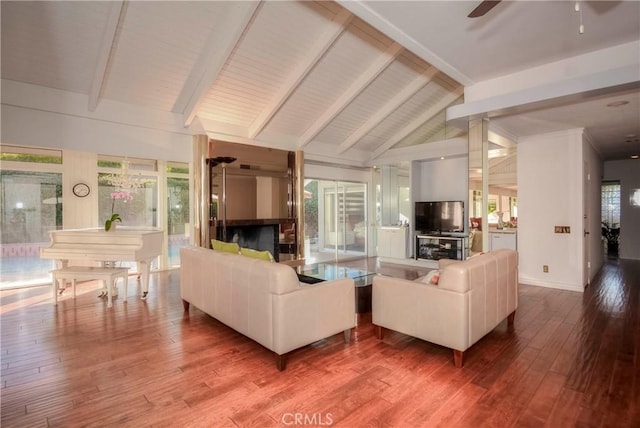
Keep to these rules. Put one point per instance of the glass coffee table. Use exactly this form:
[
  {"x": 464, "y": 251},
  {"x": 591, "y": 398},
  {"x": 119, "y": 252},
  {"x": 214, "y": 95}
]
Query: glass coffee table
[{"x": 311, "y": 274}]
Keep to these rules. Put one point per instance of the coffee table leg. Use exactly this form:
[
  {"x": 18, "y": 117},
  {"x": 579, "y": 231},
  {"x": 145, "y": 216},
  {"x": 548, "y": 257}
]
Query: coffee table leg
[{"x": 363, "y": 299}]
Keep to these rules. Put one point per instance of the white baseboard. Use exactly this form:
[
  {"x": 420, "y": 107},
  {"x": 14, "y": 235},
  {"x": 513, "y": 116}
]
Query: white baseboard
[{"x": 556, "y": 285}]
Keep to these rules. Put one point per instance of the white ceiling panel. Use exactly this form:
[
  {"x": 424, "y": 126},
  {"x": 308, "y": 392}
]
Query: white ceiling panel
[
  {"x": 157, "y": 46},
  {"x": 348, "y": 58},
  {"x": 52, "y": 44},
  {"x": 401, "y": 118},
  {"x": 277, "y": 40},
  {"x": 398, "y": 75}
]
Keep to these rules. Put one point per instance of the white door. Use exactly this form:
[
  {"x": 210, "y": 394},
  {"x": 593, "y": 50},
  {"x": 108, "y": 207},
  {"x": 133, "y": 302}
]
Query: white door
[{"x": 586, "y": 277}]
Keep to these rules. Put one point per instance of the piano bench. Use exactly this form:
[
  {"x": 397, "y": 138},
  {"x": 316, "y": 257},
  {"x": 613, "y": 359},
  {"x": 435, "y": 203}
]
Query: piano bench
[{"x": 108, "y": 274}]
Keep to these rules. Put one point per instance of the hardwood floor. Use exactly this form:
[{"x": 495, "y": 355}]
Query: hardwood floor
[{"x": 570, "y": 360}]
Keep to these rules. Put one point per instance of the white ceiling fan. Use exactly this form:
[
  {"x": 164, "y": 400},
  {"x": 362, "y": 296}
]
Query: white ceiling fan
[{"x": 484, "y": 7}]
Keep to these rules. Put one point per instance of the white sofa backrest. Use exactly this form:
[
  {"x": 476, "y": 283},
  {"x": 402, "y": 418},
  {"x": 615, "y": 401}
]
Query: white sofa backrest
[
  {"x": 468, "y": 274},
  {"x": 264, "y": 300}
]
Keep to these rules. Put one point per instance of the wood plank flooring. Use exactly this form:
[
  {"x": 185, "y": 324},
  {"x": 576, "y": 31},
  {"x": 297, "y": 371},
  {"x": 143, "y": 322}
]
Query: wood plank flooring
[{"x": 571, "y": 360}]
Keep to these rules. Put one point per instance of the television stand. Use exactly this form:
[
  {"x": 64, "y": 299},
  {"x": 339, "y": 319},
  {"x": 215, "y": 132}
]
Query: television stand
[{"x": 436, "y": 247}]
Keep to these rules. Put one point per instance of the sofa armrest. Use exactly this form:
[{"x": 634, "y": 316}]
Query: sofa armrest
[
  {"x": 442, "y": 263},
  {"x": 313, "y": 312},
  {"x": 422, "y": 310}
]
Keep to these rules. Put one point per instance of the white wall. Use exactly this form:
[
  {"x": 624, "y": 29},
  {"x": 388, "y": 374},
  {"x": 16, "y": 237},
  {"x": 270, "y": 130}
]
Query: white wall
[
  {"x": 550, "y": 193},
  {"x": 42, "y": 117},
  {"x": 628, "y": 173},
  {"x": 80, "y": 212},
  {"x": 442, "y": 180},
  {"x": 439, "y": 180}
]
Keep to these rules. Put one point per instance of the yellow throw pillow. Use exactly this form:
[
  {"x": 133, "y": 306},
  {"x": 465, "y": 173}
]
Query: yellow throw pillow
[
  {"x": 225, "y": 247},
  {"x": 262, "y": 255}
]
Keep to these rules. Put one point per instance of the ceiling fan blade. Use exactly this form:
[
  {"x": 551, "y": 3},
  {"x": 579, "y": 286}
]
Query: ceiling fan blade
[{"x": 483, "y": 8}]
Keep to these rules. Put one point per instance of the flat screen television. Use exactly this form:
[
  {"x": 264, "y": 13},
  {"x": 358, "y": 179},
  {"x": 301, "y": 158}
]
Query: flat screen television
[{"x": 439, "y": 217}]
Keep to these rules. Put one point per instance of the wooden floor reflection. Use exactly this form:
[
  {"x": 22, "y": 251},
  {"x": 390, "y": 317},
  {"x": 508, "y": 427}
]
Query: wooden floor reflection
[{"x": 571, "y": 360}]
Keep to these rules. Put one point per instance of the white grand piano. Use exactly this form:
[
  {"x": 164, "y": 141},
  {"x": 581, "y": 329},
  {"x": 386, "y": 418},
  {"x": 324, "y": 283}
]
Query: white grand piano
[{"x": 128, "y": 244}]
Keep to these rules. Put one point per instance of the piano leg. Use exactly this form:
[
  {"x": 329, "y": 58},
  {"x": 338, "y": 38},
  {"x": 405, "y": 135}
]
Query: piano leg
[
  {"x": 144, "y": 269},
  {"x": 62, "y": 284},
  {"x": 105, "y": 285}
]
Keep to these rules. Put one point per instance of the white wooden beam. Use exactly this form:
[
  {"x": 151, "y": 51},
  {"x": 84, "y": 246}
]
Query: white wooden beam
[
  {"x": 394, "y": 103},
  {"x": 337, "y": 26},
  {"x": 418, "y": 121},
  {"x": 503, "y": 178},
  {"x": 494, "y": 163},
  {"x": 501, "y": 140},
  {"x": 104, "y": 53},
  {"x": 373, "y": 71},
  {"x": 213, "y": 58}
]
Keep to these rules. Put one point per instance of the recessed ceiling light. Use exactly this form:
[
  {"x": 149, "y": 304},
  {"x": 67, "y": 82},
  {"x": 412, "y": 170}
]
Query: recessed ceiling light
[
  {"x": 618, "y": 103},
  {"x": 634, "y": 156},
  {"x": 441, "y": 157}
]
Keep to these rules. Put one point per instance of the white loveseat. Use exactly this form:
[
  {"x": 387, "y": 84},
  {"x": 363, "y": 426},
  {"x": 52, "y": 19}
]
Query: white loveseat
[
  {"x": 471, "y": 298},
  {"x": 265, "y": 301}
]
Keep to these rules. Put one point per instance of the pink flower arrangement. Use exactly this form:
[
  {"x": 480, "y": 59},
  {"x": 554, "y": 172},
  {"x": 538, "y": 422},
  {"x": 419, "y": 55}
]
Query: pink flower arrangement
[
  {"x": 121, "y": 195},
  {"x": 125, "y": 196}
]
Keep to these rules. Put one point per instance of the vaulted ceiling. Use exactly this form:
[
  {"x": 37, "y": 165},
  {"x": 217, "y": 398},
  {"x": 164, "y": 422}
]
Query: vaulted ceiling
[
  {"x": 290, "y": 74},
  {"x": 346, "y": 81}
]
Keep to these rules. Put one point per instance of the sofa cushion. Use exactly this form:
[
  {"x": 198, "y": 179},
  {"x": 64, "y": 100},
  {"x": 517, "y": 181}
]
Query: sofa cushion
[
  {"x": 225, "y": 247},
  {"x": 262, "y": 255}
]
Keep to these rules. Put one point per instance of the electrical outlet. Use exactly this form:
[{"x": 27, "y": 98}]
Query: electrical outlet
[{"x": 545, "y": 268}]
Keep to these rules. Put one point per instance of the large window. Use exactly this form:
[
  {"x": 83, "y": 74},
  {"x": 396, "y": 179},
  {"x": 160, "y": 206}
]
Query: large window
[
  {"x": 611, "y": 204},
  {"x": 128, "y": 187},
  {"x": 178, "y": 210},
  {"x": 145, "y": 192},
  {"x": 610, "y": 194},
  {"x": 31, "y": 206}
]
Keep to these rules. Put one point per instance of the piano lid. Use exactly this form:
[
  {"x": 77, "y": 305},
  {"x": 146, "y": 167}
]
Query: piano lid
[
  {"x": 125, "y": 243},
  {"x": 127, "y": 229}
]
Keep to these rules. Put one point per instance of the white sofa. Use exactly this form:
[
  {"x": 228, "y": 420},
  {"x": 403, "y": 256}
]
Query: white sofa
[
  {"x": 265, "y": 301},
  {"x": 471, "y": 298}
]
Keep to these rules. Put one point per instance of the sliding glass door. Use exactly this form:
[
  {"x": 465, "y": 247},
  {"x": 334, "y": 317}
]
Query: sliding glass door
[
  {"x": 335, "y": 220},
  {"x": 31, "y": 207}
]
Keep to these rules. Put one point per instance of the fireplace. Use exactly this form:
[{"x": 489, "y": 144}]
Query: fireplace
[{"x": 257, "y": 234}]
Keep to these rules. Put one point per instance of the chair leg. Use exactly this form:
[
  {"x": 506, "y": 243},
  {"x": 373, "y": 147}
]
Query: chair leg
[
  {"x": 54, "y": 285},
  {"x": 458, "y": 358},
  {"x": 110, "y": 293},
  {"x": 379, "y": 331},
  {"x": 281, "y": 361},
  {"x": 511, "y": 318},
  {"x": 185, "y": 305}
]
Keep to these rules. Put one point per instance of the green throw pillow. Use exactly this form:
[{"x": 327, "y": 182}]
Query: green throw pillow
[
  {"x": 225, "y": 247},
  {"x": 262, "y": 255}
]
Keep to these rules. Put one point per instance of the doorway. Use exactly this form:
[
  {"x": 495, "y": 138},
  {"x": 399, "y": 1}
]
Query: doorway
[
  {"x": 335, "y": 220},
  {"x": 610, "y": 193}
]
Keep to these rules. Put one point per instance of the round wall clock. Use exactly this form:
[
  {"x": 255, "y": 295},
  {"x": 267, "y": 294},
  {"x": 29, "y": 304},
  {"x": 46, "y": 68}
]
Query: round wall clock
[{"x": 81, "y": 190}]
